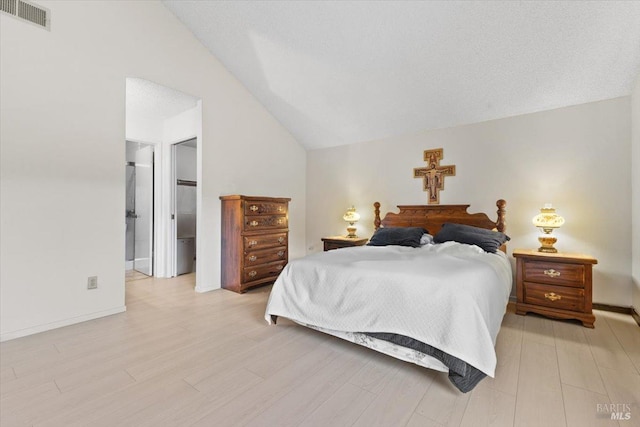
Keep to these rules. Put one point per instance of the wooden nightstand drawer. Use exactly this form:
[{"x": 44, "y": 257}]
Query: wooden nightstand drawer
[
  {"x": 554, "y": 273},
  {"x": 562, "y": 297},
  {"x": 338, "y": 242},
  {"x": 329, "y": 246}
]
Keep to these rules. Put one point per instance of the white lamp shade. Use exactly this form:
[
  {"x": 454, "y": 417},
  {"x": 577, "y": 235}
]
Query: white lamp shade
[
  {"x": 548, "y": 218},
  {"x": 351, "y": 216}
]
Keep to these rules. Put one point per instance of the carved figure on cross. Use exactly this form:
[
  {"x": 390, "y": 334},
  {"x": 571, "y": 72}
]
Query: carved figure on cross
[{"x": 433, "y": 175}]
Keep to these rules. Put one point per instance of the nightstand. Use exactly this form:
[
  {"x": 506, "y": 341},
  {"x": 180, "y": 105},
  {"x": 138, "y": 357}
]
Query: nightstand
[
  {"x": 555, "y": 285},
  {"x": 337, "y": 242}
]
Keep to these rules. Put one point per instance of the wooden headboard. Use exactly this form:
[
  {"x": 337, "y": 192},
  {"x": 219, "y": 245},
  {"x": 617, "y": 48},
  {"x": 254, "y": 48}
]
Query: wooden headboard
[{"x": 432, "y": 217}]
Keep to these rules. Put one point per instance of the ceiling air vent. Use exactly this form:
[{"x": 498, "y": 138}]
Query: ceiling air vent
[{"x": 26, "y": 11}]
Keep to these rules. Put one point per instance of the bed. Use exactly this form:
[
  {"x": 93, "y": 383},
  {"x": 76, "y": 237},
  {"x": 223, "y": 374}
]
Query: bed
[{"x": 438, "y": 305}]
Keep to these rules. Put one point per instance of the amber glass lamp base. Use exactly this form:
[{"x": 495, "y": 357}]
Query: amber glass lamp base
[{"x": 547, "y": 241}]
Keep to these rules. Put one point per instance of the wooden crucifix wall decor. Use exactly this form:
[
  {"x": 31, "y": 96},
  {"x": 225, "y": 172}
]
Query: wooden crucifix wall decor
[{"x": 433, "y": 175}]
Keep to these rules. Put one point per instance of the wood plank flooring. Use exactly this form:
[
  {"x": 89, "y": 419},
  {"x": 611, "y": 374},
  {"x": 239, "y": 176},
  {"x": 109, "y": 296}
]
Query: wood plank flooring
[{"x": 178, "y": 358}]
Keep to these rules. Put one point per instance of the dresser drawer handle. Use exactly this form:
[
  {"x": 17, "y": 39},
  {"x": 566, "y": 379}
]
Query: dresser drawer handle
[
  {"x": 280, "y": 253},
  {"x": 253, "y": 223},
  {"x": 552, "y": 273},
  {"x": 252, "y": 273},
  {"x": 253, "y": 243},
  {"x": 551, "y": 296},
  {"x": 280, "y": 239},
  {"x": 253, "y": 208},
  {"x": 280, "y": 221},
  {"x": 253, "y": 258},
  {"x": 280, "y": 267},
  {"x": 280, "y": 208}
]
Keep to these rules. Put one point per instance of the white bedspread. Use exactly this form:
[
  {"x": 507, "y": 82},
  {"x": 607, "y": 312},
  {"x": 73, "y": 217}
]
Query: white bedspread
[{"x": 450, "y": 296}]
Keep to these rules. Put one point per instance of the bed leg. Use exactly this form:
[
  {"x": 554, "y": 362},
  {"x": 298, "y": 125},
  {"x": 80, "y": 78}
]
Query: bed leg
[{"x": 274, "y": 319}]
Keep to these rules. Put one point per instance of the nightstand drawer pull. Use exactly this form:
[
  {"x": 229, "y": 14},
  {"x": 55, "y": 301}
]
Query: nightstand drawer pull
[
  {"x": 253, "y": 243},
  {"x": 280, "y": 253},
  {"x": 552, "y": 273},
  {"x": 253, "y": 208},
  {"x": 253, "y": 223},
  {"x": 252, "y": 273},
  {"x": 280, "y": 239},
  {"x": 551, "y": 296},
  {"x": 253, "y": 258}
]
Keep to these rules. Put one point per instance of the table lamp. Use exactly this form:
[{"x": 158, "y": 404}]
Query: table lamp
[
  {"x": 546, "y": 221},
  {"x": 351, "y": 217}
]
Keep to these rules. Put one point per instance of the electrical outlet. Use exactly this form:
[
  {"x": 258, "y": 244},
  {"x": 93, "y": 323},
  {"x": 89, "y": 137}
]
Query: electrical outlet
[{"x": 92, "y": 282}]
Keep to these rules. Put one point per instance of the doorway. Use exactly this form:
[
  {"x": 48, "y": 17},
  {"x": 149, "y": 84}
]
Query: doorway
[
  {"x": 139, "y": 208},
  {"x": 185, "y": 155},
  {"x": 160, "y": 119}
]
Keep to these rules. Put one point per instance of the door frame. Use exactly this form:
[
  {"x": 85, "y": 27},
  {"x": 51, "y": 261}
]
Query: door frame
[
  {"x": 172, "y": 260},
  {"x": 156, "y": 191},
  {"x": 150, "y": 228}
]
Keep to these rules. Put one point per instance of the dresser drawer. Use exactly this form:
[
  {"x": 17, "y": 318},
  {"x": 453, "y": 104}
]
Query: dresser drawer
[
  {"x": 554, "y": 273},
  {"x": 254, "y": 243},
  {"x": 265, "y": 256},
  {"x": 261, "y": 208},
  {"x": 563, "y": 297},
  {"x": 265, "y": 222},
  {"x": 263, "y": 271}
]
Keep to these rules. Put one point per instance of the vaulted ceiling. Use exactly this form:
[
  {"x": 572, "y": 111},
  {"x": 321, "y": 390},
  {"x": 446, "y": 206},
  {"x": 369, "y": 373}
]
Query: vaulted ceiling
[{"x": 340, "y": 72}]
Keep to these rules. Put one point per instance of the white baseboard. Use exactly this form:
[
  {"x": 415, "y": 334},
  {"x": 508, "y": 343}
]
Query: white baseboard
[{"x": 59, "y": 324}]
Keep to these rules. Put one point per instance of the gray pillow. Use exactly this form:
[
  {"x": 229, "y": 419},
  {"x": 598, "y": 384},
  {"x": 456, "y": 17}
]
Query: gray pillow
[
  {"x": 488, "y": 240},
  {"x": 401, "y": 236}
]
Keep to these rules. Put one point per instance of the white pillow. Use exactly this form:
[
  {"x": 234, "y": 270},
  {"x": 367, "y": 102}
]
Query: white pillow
[{"x": 426, "y": 239}]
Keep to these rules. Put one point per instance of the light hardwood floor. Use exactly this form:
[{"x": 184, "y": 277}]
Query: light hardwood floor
[{"x": 178, "y": 358}]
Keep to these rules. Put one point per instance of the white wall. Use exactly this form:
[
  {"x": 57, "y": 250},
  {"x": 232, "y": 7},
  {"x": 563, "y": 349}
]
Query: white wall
[
  {"x": 62, "y": 132},
  {"x": 576, "y": 158},
  {"x": 635, "y": 195},
  {"x": 144, "y": 129},
  {"x": 186, "y": 163}
]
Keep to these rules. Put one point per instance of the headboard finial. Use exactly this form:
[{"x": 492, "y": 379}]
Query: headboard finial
[
  {"x": 376, "y": 221},
  {"x": 501, "y": 225}
]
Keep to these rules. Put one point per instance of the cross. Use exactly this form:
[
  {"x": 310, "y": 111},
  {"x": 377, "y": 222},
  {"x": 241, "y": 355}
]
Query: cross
[{"x": 433, "y": 175}]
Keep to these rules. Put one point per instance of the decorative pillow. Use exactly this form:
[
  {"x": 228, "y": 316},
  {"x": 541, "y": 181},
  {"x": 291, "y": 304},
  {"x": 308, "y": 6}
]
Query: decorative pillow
[
  {"x": 426, "y": 239},
  {"x": 401, "y": 236},
  {"x": 488, "y": 240}
]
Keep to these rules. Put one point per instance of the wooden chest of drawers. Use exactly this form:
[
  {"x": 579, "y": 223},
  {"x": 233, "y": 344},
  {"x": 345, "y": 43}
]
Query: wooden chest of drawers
[
  {"x": 555, "y": 285},
  {"x": 255, "y": 243}
]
